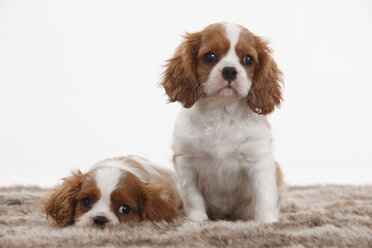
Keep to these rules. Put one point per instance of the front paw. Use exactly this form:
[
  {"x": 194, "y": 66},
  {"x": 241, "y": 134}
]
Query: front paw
[
  {"x": 197, "y": 215},
  {"x": 267, "y": 217}
]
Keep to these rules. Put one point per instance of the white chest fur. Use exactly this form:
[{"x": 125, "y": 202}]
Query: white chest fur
[{"x": 216, "y": 145}]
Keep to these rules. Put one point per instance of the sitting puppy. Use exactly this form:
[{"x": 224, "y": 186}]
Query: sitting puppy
[
  {"x": 113, "y": 191},
  {"x": 228, "y": 82}
]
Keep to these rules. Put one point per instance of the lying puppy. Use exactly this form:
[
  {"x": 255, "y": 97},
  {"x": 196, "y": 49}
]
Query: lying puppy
[
  {"x": 113, "y": 191},
  {"x": 228, "y": 82}
]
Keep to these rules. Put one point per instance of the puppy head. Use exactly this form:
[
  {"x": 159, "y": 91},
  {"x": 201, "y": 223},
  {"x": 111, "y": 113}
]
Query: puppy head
[
  {"x": 107, "y": 196},
  {"x": 224, "y": 60}
]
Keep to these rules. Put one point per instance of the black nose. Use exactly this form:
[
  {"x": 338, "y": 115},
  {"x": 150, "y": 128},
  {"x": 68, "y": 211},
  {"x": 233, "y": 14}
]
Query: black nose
[
  {"x": 229, "y": 73},
  {"x": 100, "y": 220}
]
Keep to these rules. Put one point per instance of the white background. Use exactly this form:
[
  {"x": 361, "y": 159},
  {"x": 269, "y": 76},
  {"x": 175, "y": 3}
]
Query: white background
[{"x": 79, "y": 83}]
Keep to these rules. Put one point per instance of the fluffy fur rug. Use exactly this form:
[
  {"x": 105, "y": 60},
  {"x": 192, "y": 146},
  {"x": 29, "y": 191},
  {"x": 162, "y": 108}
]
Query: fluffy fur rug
[{"x": 316, "y": 216}]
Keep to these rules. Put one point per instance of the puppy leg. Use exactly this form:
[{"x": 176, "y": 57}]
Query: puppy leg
[
  {"x": 264, "y": 190},
  {"x": 193, "y": 202}
]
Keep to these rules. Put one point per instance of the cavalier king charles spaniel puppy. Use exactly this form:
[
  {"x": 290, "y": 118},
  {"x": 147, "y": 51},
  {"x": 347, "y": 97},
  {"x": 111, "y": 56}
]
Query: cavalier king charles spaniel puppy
[
  {"x": 115, "y": 190},
  {"x": 228, "y": 82}
]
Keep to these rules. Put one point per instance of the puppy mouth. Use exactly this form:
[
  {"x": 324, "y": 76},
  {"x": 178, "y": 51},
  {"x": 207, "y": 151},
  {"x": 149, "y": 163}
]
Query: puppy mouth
[
  {"x": 227, "y": 91},
  {"x": 223, "y": 88},
  {"x": 228, "y": 87}
]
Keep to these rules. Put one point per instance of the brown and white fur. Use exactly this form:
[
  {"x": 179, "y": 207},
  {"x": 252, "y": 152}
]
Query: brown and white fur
[
  {"x": 228, "y": 82},
  {"x": 113, "y": 191}
]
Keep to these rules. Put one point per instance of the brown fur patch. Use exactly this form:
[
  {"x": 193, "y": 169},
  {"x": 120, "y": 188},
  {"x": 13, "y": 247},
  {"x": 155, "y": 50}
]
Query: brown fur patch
[
  {"x": 279, "y": 176},
  {"x": 127, "y": 193},
  {"x": 170, "y": 190},
  {"x": 246, "y": 46},
  {"x": 60, "y": 203},
  {"x": 89, "y": 190},
  {"x": 144, "y": 199},
  {"x": 265, "y": 93},
  {"x": 179, "y": 78}
]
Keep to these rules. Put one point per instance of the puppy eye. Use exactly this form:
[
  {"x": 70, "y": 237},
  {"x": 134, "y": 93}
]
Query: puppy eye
[
  {"x": 124, "y": 209},
  {"x": 210, "y": 57},
  {"x": 248, "y": 60},
  {"x": 86, "y": 202}
]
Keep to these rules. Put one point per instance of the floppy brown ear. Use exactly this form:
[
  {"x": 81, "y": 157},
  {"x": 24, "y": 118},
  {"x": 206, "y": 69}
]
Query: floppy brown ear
[
  {"x": 265, "y": 93},
  {"x": 60, "y": 203},
  {"x": 179, "y": 78},
  {"x": 155, "y": 203}
]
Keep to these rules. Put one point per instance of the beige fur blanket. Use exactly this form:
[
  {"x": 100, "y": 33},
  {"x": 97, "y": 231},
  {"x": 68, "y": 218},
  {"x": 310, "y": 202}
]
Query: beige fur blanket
[{"x": 315, "y": 216}]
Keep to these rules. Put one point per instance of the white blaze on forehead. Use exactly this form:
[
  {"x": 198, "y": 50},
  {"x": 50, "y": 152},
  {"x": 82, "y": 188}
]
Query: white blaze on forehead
[
  {"x": 106, "y": 180},
  {"x": 232, "y": 32}
]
